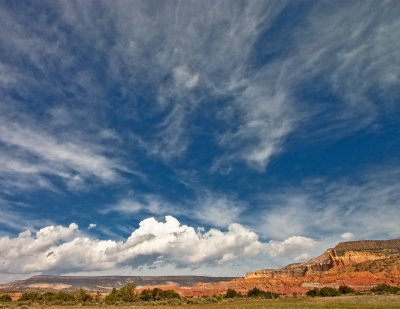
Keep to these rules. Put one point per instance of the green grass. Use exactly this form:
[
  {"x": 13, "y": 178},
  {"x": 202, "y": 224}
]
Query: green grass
[{"x": 342, "y": 302}]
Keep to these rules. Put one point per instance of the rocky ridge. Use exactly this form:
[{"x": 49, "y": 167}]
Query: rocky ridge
[{"x": 344, "y": 254}]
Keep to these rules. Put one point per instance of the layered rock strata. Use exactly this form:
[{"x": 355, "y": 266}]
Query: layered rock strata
[{"x": 344, "y": 254}]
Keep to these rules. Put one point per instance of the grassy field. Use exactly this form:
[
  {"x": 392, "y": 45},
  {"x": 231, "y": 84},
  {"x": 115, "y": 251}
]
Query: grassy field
[{"x": 342, "y": 302}]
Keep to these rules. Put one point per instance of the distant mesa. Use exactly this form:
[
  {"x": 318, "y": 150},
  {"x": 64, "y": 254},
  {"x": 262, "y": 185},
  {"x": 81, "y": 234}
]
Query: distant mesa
[
  {"x": 354, "y": 256},
  {"x": 104, "y": 283}
]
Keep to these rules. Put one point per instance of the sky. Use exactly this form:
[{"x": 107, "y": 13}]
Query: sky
[{"x": 194, "y": 137}]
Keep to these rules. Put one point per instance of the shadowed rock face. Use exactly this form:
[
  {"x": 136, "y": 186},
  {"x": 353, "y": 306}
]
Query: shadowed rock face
[{"x": 344, "y": 254}]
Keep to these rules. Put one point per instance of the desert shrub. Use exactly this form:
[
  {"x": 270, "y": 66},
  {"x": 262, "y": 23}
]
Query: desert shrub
[
  {"x": 63, "y": 297},
  {"x": 312, "y": 293},
  {"x": 30, "y": 296},
  {"x": 191, "y": 301},
  {"x": 328, "y": 292},
  {"x": 47, "y": 297},
  {"x": 232, "y": 294},
  {"x": 344, "y": 289},
  {"x": 158, "y": 294},
  {"x": 5, "y": 298},
  {"x": 256, "y": 292},
  {"x": 124, "y": 294},
  {"x": 113, "y": 297},
  {"x": 60, "y": 297},
  {"x": 127, "y": 292},
  {"x": 57, "y": 298},
  {"x": 323, "y": 292},
  {"x": 146, "y": 295},
  {"x": 385, "y": 289},
  {"x": 170, "y": 294},
  {"x": 82, "y": 296}
]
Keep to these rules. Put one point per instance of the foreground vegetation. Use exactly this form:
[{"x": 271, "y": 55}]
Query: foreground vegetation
[
  {"x": 381, "y": 296},
  {"x": 343, "y": 302},
  {"x": 330, "y": 292},
  {"x": 128, "y": 295}
]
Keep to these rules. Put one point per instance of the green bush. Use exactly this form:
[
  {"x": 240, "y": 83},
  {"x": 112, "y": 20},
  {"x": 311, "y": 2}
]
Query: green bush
[
  {"x": 30, "y": 296},
  {"x": 82, "y": 296},
  {"x": 344, "y": 289},
  {"x": 78, "y": 296},
  {"x": 170, "y": 294},
  {"x": 125, "y": 294},
  {"x": 158, "y": 294},
  {"x": 256, "y": 292},
  {"x": 323, "y": 292},
  {"x": 5, "y": 298},
  {"x": 146, "y": 295},
  {"x": 328, "y": 292},
  {"x": 59, "y": 297},
  {"x": 47, "y": 297},
  {"x": 113, "y": 297},
  {"x": 313, "y": 293},
  {"x": 385, "y": 289},
  {"x": 230, "y": 293}
]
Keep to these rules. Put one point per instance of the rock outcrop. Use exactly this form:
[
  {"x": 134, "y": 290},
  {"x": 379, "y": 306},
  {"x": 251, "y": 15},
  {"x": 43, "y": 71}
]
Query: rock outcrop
[{"x": 344, "y": 254}]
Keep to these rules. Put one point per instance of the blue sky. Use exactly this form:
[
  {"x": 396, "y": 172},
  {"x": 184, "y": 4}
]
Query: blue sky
[{"x": 203, "y": 137}]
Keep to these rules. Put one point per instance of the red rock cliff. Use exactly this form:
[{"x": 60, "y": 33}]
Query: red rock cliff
[{"x": 344, "y": 254}]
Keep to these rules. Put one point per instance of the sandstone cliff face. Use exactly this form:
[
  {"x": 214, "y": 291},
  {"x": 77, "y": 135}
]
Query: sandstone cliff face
[{"x": 344, "y": 254}]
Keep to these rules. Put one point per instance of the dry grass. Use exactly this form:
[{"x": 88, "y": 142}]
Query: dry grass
[{"x": 342, "y": 302}]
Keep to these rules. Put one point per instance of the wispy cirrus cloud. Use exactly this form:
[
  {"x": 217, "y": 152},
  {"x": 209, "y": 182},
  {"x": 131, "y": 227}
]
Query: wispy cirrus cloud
[
  {"x": 265, "y": 96},
  {"x": 49, "y": 129},
  {"x": 365, "y": 207},
  {"x": 38, "y": 154},
  {"x": 214, "y": 52},
  {"x": 183, "y": 74}
]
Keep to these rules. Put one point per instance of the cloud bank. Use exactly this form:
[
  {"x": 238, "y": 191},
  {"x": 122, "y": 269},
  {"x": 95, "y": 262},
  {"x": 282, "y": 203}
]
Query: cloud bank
[{"x": 59, "y": 249}]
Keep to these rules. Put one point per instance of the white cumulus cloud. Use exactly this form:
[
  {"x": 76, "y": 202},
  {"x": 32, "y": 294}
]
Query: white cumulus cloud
[{"x": 61, "y": 249}]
